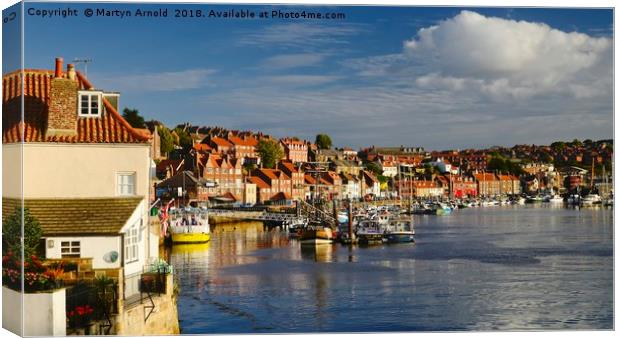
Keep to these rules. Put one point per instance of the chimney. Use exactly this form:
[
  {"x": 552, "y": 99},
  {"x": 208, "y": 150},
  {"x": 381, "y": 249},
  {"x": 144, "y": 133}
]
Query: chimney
[
  {"x": 63, "y": 104},
  {"x": 71, "y": 71},
  {"x": 58, "y": 72}
]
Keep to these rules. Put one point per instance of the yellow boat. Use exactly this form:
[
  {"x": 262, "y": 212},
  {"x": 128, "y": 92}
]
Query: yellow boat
[
  {"x": 189, "y": 226},
  {"x": 314, "y": 234},
  {"x": 190, "y": 238}
]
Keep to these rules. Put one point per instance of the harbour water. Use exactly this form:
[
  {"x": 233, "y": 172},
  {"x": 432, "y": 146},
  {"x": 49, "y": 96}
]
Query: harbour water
[{"x": 527, "y": 267}]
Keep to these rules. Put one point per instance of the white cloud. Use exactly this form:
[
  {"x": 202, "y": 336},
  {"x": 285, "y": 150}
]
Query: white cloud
[
  {"x": 285, "y": 61},
  {"x": 154, "y": 82},
  {"x": 511, "y": 58},
  {"x": 302, "y": 35},
  {"x": 297, "y": 80}
]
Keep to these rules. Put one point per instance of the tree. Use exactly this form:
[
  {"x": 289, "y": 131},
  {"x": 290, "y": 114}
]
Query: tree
[
  {"x": 12, "y": 231},
  {"x": 166, "y": 143},
  {"x": 323, "y": 141},
  {"x": 374, "y": 168},
  {"x": 132, "y": 116},
  {"x": 185, "y": 140},
  {"x": 270, "y": 152}
]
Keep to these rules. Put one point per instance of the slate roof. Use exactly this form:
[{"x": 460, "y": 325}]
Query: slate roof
[{"x": 77, "y": 216}]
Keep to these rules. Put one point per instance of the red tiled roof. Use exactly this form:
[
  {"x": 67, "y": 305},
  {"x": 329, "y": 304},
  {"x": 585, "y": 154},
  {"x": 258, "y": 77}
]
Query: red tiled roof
[
  {"x": 221, "y": 142},
  {"x": 248, "y": 141},
  {"x": 109, "y": 128},
  {"x": 259, "y": 183},
  {"x": 202, "y": 147},
  {"x": 485, "y": 177}
]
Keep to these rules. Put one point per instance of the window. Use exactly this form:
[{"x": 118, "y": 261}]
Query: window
[
  {"x": 126, "y": 184},
  {"x": 131, "y": 244},
  {"x": 69, "y": 249},
  {"x": 89, "y": 104}
]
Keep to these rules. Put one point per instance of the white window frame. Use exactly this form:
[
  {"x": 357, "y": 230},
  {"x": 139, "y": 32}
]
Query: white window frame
[
  {"x": 70, "y": 245},
  {"x": 131, "y": 244},
  {"x": 90, "y": 94},
  {"x": 119, "y": 184}
]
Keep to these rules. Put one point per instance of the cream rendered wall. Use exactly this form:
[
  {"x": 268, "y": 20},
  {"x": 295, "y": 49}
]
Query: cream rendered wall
[
  {"x": 65, "y": 170},
  {"x": 90, "y": 247},
  {"x": 46, "y": 314},
  {"x": 11, "y": 170}
]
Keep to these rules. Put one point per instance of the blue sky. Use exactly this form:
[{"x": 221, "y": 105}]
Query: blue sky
[{"x": 441, "y": 78}]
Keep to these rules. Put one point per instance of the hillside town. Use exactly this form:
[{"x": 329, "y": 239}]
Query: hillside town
[{"x": 223, "y": 166}]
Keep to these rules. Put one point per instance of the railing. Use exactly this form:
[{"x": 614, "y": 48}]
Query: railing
[
  {"x": 90, "y": 302},
  {"x": 140, "y": 287}
]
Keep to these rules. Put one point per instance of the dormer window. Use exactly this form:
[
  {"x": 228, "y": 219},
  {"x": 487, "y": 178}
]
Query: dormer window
[{"x": 89, "y": 103}]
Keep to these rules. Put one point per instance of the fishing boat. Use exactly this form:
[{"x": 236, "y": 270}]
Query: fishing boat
[
  {"x": 400, "y": 231},
  {"x": 369, "y": 232},
  {"x": 316, "y": 233},
  {"x": 188, "y": 225}
]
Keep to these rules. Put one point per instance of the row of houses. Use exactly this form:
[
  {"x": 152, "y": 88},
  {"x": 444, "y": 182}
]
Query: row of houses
[{"x": 223, "y": 180}]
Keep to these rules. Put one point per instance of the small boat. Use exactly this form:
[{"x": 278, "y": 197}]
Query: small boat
[
  {"x": 189, "y": 226},
  {"x": 591, "y": 199},
  {"x": 555, "y": 199},
  {"x": 400, "y": 231},
  {"x": 369, "y": 232},
  {"x": 519, "y": 201},
  {"x": 316, "y": 233},
  {"x": 534, "y": 199},
  {"x": 442, "y": 209}
]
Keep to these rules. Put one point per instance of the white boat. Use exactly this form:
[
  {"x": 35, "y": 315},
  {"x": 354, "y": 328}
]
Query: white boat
[
  {"x": 556, "y": 199},
  {"x": 590, "y": 199}
]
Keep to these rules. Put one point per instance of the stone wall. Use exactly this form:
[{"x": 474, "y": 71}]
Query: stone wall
[{"x": 163, "y": 320}]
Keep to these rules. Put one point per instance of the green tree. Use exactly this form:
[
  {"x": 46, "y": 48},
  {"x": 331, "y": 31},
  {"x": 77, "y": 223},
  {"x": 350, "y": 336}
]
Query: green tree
[
  {"x": 577, "y": 143},
  {"x": 185, "y": 140},
  {"x": 374, "y": 168},
  {"x": 270, "y": 152},
  {"x": 166, "y": 143},
  {"x": 558, "y": 146},
  {"x": 12, "y": 231},
  {"x": 132, "y": 116},
  {"x": 323, "y": 141}
]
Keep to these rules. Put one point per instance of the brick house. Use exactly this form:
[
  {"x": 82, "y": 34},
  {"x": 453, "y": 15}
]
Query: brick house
[
  {"x": 295, "y": 150},
  {"x": 223, "y": 175},
  {"x": 488, "y": 184}
]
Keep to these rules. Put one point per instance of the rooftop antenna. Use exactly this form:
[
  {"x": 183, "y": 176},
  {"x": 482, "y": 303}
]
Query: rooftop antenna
[{"x": 85, "y": 62}]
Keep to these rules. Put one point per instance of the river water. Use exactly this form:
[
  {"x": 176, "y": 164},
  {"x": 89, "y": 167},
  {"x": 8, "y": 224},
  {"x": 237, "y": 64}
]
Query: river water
[{"x": 530, "y": 267}]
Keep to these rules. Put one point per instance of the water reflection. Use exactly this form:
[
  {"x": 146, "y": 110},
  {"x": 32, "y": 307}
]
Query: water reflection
[
  {"x": 505, "y": 268},
  {"x": 318, "y": 253}
]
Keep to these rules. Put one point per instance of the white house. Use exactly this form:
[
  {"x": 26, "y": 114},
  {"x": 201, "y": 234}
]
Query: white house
[
  {"x": 350, "y": 186},
  {"x": 85, "y": 172}
]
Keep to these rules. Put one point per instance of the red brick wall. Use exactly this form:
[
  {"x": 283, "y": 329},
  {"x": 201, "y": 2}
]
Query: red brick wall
[{"x": 63, "y": 106}]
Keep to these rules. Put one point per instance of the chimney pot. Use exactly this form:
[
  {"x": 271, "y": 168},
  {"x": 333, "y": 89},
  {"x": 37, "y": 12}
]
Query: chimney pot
[
  {"x": 71, "y": 71},
  {"x": 58, "y": 72}
]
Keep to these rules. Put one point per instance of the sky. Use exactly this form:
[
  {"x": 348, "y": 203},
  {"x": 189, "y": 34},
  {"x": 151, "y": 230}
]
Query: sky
[{"x": 436, "y": 77}]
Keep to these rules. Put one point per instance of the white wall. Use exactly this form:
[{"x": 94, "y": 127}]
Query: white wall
[
  {"x": 44, "y": 313},
  {"x": 11, "y": 170},
  {"x": 66, "y": 170},
  {"x": 90, "y": 247}
]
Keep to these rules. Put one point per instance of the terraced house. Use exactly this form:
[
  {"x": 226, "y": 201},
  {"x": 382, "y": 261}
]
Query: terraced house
[{"x": 84, "y": 174}]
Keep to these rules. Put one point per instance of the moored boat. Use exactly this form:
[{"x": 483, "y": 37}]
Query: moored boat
[
  {"x": 189, "y": 226},
  {"x": 400, "y": 231},
  {"x": 316, "y": 233}
]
